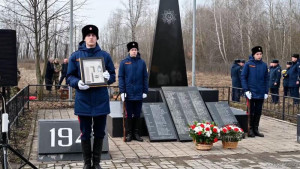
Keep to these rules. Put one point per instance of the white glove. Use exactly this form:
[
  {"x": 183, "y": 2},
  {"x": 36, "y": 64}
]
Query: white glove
[
  {"x": 266, "y": 96},
  {"x": 248, "y": 95},
  {"x": 123, "y": 95},
  {"x": 106, "y": 75},
  {"x": 82, "y": 86},
  {"x": 144, "y": 95}
]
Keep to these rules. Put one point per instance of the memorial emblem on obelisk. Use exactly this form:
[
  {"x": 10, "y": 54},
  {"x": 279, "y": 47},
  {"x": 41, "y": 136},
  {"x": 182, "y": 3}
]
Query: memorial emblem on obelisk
[{"x": 169, "y": 17}]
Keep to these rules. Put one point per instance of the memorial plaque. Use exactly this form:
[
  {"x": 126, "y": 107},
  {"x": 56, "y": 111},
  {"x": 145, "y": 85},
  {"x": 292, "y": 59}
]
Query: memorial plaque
[
  {"x": 298, "y": 128},
  {"x": 221, "y": 113},
  {"x": 167, "y": 63},
  {"x": 186, "y": 106},
  {"x": 61, "y": 137},
  {"x": 159, "y": 123}
]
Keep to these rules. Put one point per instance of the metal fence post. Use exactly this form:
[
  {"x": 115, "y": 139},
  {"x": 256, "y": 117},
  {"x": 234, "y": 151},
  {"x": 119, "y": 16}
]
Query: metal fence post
[
  {"x": 283, "y": 108},
  {"x": 228, "y": 95}
]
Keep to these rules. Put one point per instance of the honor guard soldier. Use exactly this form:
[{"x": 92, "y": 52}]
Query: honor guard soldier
[
  {"x": 286, "y": 79},
  {"x": 133, "y": 85},
  {"x": 274, "y": 83},
  {"x": 293, "y": 74},
  {"x": 255, "y": 86},
  {"x": 236, "y": 70},
  {"x": 91, "y": 104}
]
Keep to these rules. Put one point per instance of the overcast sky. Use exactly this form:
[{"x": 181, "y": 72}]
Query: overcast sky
[{"x": 98, "y": 11}]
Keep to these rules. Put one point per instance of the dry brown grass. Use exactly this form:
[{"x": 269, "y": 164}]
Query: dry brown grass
[{"x": 202, "y": 79}]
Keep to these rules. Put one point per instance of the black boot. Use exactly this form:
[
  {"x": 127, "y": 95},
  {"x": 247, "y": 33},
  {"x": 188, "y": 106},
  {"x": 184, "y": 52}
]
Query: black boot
[
  {"x": 256, "y": 124},
  {"x": 97, "y": 150},
  {"x": 87, "y": 153},
  {"x": 136, "y": 125},
  {"x": 250, "y": 132},
  {"x": 128, "y": 130}
]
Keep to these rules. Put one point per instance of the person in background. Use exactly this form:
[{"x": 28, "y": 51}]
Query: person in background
[
  {"x": 294, "y": 80},
  {"x": 57, "y": 69},
  {"x": 274, "y": 83},
  {"x": 64, "y": 69},
  {"x": 286, "y": 79},
  {"x": 49, "y": 74},
  {"x": 236, "y": 70}
]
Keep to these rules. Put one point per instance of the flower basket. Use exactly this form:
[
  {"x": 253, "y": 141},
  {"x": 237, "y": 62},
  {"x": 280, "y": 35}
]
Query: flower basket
[
  {"x": 229, "y": 145},
  {"x": 204, "y": 147},
  {"x": 230, "y": 136},
  {"x": 204, "y": 134}
]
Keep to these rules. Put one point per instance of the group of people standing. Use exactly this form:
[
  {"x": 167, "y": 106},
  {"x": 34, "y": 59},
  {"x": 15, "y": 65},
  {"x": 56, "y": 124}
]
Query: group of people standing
[
  {"x": 291, "y": 78},
  {"x": 92, "y": 103},
  {"x": 54, "y": 68},
  {"x": 254, "y": 80}
]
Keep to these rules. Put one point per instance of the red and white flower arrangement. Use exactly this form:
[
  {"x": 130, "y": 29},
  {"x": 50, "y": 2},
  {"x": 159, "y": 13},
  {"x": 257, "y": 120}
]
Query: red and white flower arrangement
[
  {"x": 231, "y": 133},
  {"x": 204, "y": 133}
]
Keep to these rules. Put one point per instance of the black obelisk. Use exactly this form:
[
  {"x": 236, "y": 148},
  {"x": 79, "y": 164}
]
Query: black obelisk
[{"x": 167, "y": 63}]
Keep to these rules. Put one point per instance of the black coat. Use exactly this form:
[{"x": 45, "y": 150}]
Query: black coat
[
  {"x": 64, "y": 69},
  {"x": 236, "y": 71},
  {"x": 286, "y": 78},
  {"x": 275, "y": 76},
  {"x": 49, "y": 71}
]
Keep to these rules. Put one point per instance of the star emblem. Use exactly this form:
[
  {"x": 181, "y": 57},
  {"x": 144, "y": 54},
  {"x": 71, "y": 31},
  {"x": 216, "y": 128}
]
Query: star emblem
[
  {"x": 91, "y": 28},
  {"x": 133, "y": 44},
  {"x": 169, "y": 17}
]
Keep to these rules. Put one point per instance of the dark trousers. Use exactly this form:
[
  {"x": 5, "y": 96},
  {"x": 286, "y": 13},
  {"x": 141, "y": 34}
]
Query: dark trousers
[
  {"x": 294, "y": 92},
  {"x": 286, "y": 91},
  {"x": 48, "y": 83},
  {"x": 87, "y": 122},
  {"x": 133, "y": 108},
  {"x": 275, "y": 92},
  {"x": 256, "y": 106},
  {"x": 236, "y": 93},
  {"x": 62, "y": 79}
]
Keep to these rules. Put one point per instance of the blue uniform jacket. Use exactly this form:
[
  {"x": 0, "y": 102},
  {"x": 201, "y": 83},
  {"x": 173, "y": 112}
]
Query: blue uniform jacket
[
  {"x": 236, "y": 75},
  {"x": 133, "y": 77},
  {"x": 286, "y": 78},
  {"x": 293, "y": 74},
  {"x": 275, "y": 76},
  {"x": 93, "y": 101},
  {"x": 255, "y": 78}
]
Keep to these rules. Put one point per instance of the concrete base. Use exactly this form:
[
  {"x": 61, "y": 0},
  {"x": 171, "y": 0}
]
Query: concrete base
[
  {"x": 241, "y": 117},
  {"x": 115, "y": 121}
]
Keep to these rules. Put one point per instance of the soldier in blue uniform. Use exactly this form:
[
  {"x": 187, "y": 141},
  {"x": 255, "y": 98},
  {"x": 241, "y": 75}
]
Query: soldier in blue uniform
[
  {"x": 236, "y": 70},
  {"x": 243, "y": 61},
  {"x": 133, "y": 85},
  {"x": 91, "y": 104},
  {"x": 286, "y": 78},
  {"x": 294, "y": 80},
  {"x": 274, "y": 83},
  {"x": 255, "y": 81}
]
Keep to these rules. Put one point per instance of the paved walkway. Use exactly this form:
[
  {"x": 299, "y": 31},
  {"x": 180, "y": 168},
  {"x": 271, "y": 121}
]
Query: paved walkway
[{"x": 278, "y": 149}]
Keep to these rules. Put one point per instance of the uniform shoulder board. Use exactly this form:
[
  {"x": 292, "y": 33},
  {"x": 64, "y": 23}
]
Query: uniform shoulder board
[{"x": 278, "y": 70}]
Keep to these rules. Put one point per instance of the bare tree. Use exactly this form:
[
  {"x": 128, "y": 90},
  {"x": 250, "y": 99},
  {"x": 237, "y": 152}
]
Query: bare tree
[{"x": 134, "y": 9}]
